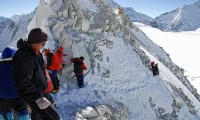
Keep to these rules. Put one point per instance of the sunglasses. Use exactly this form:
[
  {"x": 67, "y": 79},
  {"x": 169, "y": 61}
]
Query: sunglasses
[{"x": 43, "y": 43}]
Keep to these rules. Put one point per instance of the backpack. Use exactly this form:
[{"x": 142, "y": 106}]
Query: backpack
[{"x": 49, "y": 83}]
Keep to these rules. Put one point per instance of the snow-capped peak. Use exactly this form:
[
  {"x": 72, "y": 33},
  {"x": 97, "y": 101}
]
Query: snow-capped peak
[
  {"x": 16, "y": 18},
  {"x": 197, "y": 3},
  {"x": 185, "y": 18}
]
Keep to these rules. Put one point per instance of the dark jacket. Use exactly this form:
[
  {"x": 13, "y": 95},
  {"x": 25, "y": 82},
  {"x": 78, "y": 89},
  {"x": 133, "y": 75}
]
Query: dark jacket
[
  {"x": 155, "y": 69},
  {"x": 7, "y": 86},
  {"x": 29, "y": 73},
  {"x": 79, "y": 66}
]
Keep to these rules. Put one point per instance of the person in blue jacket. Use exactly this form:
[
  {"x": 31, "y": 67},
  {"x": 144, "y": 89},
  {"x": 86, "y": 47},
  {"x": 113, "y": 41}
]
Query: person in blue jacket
[{"x": 8, "y": 95}]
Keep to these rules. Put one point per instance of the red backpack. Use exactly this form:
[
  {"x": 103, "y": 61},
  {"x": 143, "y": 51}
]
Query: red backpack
[{"x": 49, "y": 83}]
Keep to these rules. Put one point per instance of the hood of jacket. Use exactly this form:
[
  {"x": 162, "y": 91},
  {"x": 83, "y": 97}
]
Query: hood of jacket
[{"x": 8, "y": 52}]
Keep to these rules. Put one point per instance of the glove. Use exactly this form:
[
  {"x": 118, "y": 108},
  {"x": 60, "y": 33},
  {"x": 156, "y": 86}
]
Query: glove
[{"x": 43, "y": 103}]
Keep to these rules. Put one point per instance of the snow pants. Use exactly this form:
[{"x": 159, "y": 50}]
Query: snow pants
[
  {"x": 55, "y": 81},
  {"x": 80, "y": 80}
]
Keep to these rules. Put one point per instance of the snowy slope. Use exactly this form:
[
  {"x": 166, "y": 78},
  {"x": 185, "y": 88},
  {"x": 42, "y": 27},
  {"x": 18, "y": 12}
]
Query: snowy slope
[
  {"x": 182, "y": 47},
  {"x": 117, "y": 55},
  {"x": 185, "y": 18}
]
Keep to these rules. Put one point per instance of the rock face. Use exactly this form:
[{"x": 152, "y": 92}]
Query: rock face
[{"x": 71, "y": 22}]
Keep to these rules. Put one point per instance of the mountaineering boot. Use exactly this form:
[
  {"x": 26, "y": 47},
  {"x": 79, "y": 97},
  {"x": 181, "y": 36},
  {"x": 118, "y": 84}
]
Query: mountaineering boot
[
  {"x": 9, "y": 116},
  {"x": 23, "y": 115},
  {"x": 1, "y": 116},
  {"x": 6, "y": 116},
  {"x": 55, "y": 90}
]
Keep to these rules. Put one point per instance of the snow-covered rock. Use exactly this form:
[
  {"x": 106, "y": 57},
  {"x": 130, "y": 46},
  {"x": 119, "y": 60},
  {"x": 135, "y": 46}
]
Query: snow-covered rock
[
  {"x": 198, "y": 30},
  {"x": 89, "y": 112},
  {"x": 103, "y": 112}
]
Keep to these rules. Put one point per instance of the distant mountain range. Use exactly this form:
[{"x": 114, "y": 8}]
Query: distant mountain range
[
  {"x": 185, "y": 18},
  {"x": 139, "y": 17},
  {"x": 7, "y": 28},
  {"x": 13, "y": 29}
]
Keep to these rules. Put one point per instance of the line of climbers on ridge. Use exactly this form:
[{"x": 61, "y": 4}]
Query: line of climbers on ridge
[{"x": 24, "y": 79}]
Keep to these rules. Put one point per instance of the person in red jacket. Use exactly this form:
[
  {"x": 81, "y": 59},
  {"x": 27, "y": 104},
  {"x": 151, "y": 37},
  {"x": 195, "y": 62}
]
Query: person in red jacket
[
  {"x": 60, "y": 55},
  {"x": 79, "y": 66},
  {"x": 53, "y": 64}
]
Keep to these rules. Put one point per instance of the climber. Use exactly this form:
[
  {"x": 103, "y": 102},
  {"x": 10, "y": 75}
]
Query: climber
[
  {"x": 54, "y": 65},
  {"x": 8, "y": 95},
  {"x": 79, "y": 66},
  {"x": 28, "y": 70},
  {"x": 60, "y": 55},
  {"x": 154, "y": 68}
]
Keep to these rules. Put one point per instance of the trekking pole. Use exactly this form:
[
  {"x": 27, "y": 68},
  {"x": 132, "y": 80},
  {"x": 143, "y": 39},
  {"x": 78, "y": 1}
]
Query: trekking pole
[
  {"x": 87, "y": 72},
  {"x": 61, "y": 43},
  {"x": 73, "y": 76},
  {"x": 84, "y": 74},
  {"x": 48, "y": 114}
]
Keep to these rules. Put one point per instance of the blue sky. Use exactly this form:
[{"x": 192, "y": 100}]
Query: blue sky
[
  {"x": 152, "y": 8},
  {"x": 9, "y": 8}
]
